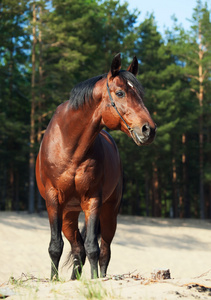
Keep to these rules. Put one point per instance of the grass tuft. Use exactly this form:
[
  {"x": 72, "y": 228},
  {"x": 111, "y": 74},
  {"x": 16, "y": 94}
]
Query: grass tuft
[{"x": 93, "y": 289}]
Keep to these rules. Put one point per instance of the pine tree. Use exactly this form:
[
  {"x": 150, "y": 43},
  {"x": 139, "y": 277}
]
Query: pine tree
[
  {"x": 14, "y": 104},
  {"x": 32, "y": 116},
  {"x": 193, "y": 51}
]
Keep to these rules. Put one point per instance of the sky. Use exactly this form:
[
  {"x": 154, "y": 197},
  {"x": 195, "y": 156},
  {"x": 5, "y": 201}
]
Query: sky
[{"x": 164, "y": 9}]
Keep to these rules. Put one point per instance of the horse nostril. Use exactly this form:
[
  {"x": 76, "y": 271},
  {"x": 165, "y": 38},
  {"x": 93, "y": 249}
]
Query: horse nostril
[{"x": 145, "y": 129}]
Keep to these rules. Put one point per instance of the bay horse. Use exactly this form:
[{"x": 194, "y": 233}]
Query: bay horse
[{"x": 78, "y": 166}]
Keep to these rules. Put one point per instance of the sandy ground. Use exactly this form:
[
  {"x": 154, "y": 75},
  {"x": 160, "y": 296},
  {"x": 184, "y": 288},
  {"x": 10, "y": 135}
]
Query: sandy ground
[{"x": 141, "y": 245}]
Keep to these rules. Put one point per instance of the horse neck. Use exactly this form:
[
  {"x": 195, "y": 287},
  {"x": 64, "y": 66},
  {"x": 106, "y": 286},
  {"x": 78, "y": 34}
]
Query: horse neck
[{"x": 81, "y": 129}]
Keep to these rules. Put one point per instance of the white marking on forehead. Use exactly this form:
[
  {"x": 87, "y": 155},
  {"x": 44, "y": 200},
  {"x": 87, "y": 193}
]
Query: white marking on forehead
[{"x": 130, "y": 84}]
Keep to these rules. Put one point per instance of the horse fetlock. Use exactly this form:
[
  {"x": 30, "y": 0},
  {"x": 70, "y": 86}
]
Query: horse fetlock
[
  {"x": 103, "y": 272},
  {"x": 93, "y": 256},
  {"x": 94, "y": 273},
  {"x": 79, "y": 253},
  {"x": 77, "y": 269},
  {"x": 93, "y": 253}
]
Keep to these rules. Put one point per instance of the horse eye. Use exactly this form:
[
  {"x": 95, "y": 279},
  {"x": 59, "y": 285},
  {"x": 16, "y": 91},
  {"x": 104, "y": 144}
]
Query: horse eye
[{"x": 120, "y": 94}]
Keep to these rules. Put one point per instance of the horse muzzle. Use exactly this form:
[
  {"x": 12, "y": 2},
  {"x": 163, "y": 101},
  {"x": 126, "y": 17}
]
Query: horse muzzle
[{"x": 144, "y": 135}]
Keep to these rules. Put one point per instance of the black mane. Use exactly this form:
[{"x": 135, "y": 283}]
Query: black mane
[{"x": 82, "y": 92}]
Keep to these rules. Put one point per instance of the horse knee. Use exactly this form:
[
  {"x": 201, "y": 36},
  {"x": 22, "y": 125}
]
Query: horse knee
[{"x": 55, "y": 249}]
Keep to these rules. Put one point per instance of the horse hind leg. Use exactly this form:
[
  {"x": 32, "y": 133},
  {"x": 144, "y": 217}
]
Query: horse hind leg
[
  {"x": 71, "y": 232},
  {"x": 56, "y": 243},
  {"x": 108, "y": 222}
]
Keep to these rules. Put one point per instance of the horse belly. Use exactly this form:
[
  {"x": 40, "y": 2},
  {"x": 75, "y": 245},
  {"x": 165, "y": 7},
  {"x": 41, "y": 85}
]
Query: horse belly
[{"x": 113, "y": 179}]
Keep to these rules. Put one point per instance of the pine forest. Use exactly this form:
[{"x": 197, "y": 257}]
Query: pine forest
[{"x": 47, "y": 47}]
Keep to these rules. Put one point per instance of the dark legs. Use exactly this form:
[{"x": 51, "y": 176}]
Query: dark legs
[
  {"x": 56, "y": 243},
  {"x": 68, "y": 223},
  {"x": 108, "y": 221},
  {"x": 107, "y": 216},
  {"x": 56, "y": 247},
  {"x": 92, "y": 212},
  {"x": 105, "y": 255},
  {"x": 91, "y": 244},
  {"x": 71, "y": 232}
]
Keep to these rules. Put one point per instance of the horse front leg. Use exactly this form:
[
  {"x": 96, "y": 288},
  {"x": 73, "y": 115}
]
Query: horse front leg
[
  {"x": 92, "y": 211},
  {"x": 55, "y": 219}
]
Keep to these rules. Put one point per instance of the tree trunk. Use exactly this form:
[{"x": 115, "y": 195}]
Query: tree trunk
[
  {"x": 185, "y": 180},
  {"x": 209, "y": 195},
  {"x": 147, "y": 194},
  {"x": 175, "y": 203},
  {"x": 156, "y": 200},
  {"x": 39, "y": 133},
  {"x": 16, "y": 204},
  {"x": 11, "y": 191},
  {"x": 201, "y": 156},
  {"x": 3, "y": 188},
  {"x": 138, "y": 199},
  {"x": 32, "y": 131}
]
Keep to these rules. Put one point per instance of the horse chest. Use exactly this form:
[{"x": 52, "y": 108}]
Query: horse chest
[
  {"x": 79, "y": 180},
  {"x": 88, "y": 176}
]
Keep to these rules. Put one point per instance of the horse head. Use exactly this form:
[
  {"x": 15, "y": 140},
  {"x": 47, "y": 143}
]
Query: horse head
[{"x": 124, "y": 108}]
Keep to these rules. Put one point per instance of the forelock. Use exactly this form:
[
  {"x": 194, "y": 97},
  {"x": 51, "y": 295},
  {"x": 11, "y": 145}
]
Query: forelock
[{"x": 132, "y": 81}]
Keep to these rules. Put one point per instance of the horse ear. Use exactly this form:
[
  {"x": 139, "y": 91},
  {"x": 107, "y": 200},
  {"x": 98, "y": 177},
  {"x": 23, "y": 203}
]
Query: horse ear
[
  {"x": 133, "y": 67},
  {"x": 116, "y": 65}
]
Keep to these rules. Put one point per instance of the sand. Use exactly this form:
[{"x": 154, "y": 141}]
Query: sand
[{"x": 141, "y": 245}]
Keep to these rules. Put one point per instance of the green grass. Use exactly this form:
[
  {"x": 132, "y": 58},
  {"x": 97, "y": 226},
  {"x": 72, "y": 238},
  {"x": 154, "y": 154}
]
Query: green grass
[
  {"x": 30, "y": 287},
  {"x": 92, "y": 289},
  {"x": 27, "y": 287}
]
